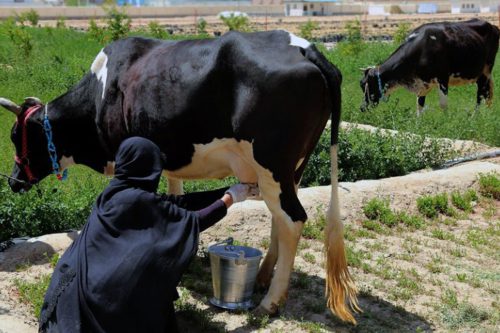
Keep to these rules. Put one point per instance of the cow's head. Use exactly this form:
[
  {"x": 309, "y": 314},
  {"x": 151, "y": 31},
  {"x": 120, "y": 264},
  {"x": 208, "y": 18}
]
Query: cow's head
[
  {"x": 31, "y": 162},
  {"x": 370, "y": 86}
]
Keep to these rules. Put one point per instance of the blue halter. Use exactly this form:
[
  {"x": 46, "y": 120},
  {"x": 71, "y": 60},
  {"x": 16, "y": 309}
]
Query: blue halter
[
  {"x": 381, "y": 88},
  {"x": 52, "y": 149}
]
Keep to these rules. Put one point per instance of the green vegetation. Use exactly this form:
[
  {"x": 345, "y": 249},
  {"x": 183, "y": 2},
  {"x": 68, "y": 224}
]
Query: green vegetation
[
  {"x": 306, "y": 29},
  {"x": 236, "y": 22},
  {"x": 379, "y": 213},
  {"x": 464, "y": 201},
  {"x": 54, "y": 59},
  {"x": 430, "y": 206},
  {"x": 489, "y": 185},
  {"x": 33, "y": 292},
  {"x": 401, "y": 33},
  {"x": 157, "y": 31},
  {"x": 460, "y": 315}
]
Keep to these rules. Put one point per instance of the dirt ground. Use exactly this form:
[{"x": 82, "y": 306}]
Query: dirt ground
[{"x": 442, "y": 277}]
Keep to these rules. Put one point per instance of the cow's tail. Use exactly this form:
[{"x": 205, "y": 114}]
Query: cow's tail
[{"x": 340, "y": 287}]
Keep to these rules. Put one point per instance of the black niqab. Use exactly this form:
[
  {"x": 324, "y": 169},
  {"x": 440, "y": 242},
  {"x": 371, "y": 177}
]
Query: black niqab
[{"x": 121, "y": 272}]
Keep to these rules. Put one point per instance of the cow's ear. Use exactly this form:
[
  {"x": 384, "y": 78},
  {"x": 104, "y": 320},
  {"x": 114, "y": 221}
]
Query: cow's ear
[{"x": 11, "y": 106}]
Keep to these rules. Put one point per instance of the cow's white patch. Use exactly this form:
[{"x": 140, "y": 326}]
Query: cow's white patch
[
  {"x": 100, "y": 69},
  {"x": 443, "y": 99},
  {"x": 299, "y": 41},
  {"x": 109, "y": 169},
  {"x": 66, "y": 162},
  {"x": 218, "y": 159},
  {"x": 413, "y": 35},
  {"x": 432, "y": 37}
]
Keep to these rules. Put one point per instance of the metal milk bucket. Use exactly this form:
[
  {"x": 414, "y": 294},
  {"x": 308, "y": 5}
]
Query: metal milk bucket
[{"x": 234, "y": 270}]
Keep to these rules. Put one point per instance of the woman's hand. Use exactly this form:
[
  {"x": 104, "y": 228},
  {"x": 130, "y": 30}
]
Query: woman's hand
[{"x": 239, "y": 192}]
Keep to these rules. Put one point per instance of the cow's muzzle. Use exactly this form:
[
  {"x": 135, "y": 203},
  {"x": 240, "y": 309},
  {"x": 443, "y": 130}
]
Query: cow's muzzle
[{"x": 18, "y": 185}]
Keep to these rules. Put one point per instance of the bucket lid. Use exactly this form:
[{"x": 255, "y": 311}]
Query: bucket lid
[{"x": 230, "y": 251}]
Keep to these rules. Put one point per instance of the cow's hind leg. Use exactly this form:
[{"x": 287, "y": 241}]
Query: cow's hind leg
[
  {"x": 420, "y": 104},
  {"x": 288, "y": 217},
  {"x": 484, "y": 90},
  {"x": 443, "y": 94}
]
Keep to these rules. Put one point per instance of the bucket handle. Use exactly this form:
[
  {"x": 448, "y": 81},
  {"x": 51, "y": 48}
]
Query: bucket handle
[{"x": 228, "y": 242}]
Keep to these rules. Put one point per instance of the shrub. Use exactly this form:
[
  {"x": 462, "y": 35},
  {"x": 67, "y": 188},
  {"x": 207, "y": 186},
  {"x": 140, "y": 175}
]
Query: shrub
[
  {"x": 21, "y": 38},
  {"x": 489, "y": 185},
  {"x": 353, "y": 44},
  {"x": 366, "y": 155},
  {"x": 201, "y": 26},
  {"x": 118, "y": 23},
  {"x": 431, "y": 206},
  {"x": 31, "y": 16},
  {"x": 236, "y": 22},
  {"x": 401, "y": 33},
  {"x": 95, "y": 32},
  {"x": 463, "y": 201},
  {"x": 306, "y": 29},
  {"x": 61, "y": 22},
  {"x": 410, "y": 221},
  {"x": 157, "y": 31}
]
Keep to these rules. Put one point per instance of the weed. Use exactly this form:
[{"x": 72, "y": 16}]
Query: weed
[
  {"x": 157, "y": 31},
  {"x": 264, "y": 243},
  {"x": 411, "y": 221},
  {"x": 434, "y": 266},
  {"x": 201, "y": 26},
  {"x": 431, "y": 206},
  {"x": 257, "y": 321},
  {"x": 354, "y": 258},
  {"x": 310, "y": 258},
  {"x": 458, "y": 252},
  {"x": 401, "y": 33},
  {"x": 314, "y": 229},
  {"x": 458, "y": 315},
  {"x": 201, "y": 319},
  {"x": 442, "y": 235},
  {"x": 54, "y": 260},
  {"x": 306, "y": 29},
  {"x": 118, "y": 23},
  {"x": 21, "y": 38},
  {"x": 31, "y": 16},
  {"x": 462, "y": 201},
  {"x": 33, "y": 292},
  {"x": 373, "y": 225},
  {"x": 236, "y": 22},
  {"x": 301, "y": 280},
  {"x": 353, "y": 43},
  {"x": 61, "y": 22},
  {"x": 377, "y": 209},
  {"x": 489, "y": 185},
  {"x": 313, "y": 327},
  {"x": 95, "y": 32}
]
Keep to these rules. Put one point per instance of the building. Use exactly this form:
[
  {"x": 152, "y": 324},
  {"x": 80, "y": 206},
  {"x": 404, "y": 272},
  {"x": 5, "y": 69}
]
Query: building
[{"x": 310, "y": 7}]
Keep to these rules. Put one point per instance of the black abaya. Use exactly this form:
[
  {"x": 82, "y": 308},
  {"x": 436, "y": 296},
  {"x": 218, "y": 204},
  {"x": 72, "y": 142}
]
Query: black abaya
[{"x": 120, "y": 274}]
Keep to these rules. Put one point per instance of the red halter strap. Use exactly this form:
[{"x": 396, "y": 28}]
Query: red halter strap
[{"x": 23, "y": 160}]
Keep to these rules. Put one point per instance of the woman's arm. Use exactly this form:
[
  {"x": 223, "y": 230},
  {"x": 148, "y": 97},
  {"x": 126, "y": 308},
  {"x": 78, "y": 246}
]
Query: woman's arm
[{"x": 196, "y": 200}]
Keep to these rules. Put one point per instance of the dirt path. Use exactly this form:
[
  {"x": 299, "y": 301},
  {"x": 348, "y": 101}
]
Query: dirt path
[{"x": 442, "y": 277}]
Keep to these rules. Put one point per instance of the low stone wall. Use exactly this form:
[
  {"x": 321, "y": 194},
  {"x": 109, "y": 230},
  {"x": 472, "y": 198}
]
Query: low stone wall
[{"x": 143, "y": 12}]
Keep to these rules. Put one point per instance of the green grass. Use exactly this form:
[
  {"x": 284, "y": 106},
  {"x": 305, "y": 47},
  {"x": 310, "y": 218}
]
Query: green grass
[
  {"x": 458, "y": 315},
  {"x": 33, "y": 293},
  {"x": 489, "y": 185},
  {"x": 430, "y": 206}
]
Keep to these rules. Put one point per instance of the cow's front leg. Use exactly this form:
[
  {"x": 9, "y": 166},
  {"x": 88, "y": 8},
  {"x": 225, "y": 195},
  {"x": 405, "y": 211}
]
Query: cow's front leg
[
  {"x": 443, "y": 94},
  {"x": 420, "y": 104},
  {"x": 484, "y": 90},
  {"x": 267, "y": 268},
  {"x": 288, "y": 217},
  {"x": 175, "y": 186}
]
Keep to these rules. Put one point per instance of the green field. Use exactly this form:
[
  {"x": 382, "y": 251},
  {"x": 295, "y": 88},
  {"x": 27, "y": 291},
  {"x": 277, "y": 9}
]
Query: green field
[{"x": 58, "y": 58}]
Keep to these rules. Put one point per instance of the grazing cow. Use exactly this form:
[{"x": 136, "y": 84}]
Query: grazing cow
[
  {"x": 251, "y": 105},
  {"x": 437, "y": 54}
]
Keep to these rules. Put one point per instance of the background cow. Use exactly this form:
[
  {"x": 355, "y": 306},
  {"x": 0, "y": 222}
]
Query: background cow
[
  {"x": 253, "y": 105},
  {"x": 437, "y": 54}
]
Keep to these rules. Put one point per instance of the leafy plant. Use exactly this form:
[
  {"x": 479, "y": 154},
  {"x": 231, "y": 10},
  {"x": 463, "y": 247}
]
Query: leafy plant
[
  {"x": 95, "y": 32},
  {"x": 21, "y": 38},
  {"x": 33, "y": 292},
  {"x": 489, "y": 185},
  {"x": 431, "y": 206},
  {"x": 31, "y": 16},
  {"x": 353, "y": 43},
  {"x": 201, "y": 26},
  {"x": 157, "y": 30},
  {"x": 118, "y": 23},
  {"x": 61, "y": 22},
  {"x": 306, "y": 29},
  {"x": 236, "y": 22},
  {"x": 401, "y": 33}
]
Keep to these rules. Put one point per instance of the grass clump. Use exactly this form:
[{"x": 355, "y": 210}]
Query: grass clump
[
  {"x": 431, "y": 206},
  {"x": 459, "y": 315},
  {"x": 257, "y": 321},
  {"x": 463, "y": 201},
  {"x": 33, "y": 293},
  {"x": 314, "y": 229},
  {"x": 410, "y": 221},
  {"x": 489, "y": 185}
]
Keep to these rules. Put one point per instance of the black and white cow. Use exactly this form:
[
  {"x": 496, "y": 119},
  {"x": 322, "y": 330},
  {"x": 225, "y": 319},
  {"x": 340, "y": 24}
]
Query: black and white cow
[
  {"x": 251, "y": 105},
  {"x": 437, "y": 54}
]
